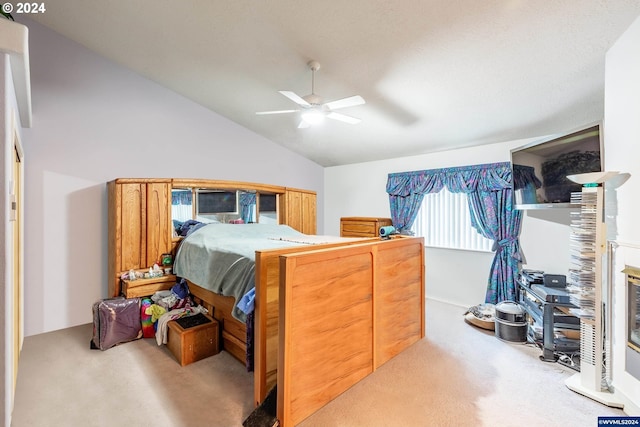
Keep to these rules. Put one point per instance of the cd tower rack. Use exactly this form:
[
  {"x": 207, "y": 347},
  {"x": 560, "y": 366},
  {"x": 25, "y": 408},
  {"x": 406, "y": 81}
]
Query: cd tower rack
[{"x": 586, "y": 245}]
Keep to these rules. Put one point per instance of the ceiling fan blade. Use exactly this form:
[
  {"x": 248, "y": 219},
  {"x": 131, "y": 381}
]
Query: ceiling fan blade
[
  {"x": 276, "y": 112},
  {"x": 344, "y": 118},
  {"x": 351, "y": 101},
  {"x": 294, "y": 97},
  {"x": 303, "y": 125}
]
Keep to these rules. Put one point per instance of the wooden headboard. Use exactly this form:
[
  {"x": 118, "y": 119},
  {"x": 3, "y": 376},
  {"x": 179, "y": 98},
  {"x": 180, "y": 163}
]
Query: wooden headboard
[{"x": 141, "y": 224}]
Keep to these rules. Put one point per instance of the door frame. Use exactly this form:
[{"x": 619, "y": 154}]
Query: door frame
[{"x": 17, "y": 217}]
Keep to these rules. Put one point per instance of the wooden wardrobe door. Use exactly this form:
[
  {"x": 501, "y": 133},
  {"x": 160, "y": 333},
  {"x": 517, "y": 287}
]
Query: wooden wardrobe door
[
  {"x": 308, "y": 213},
  {"x": 300, "y": 210},
  {"x": 293, "y": 211},
  {"x": 158, "y": 220},
  {"x": 132, "y": 226}
]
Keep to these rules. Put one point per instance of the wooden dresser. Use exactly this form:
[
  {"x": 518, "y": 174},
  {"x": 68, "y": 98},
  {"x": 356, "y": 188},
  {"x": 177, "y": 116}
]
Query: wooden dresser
[{"x": 357, "y": 226}]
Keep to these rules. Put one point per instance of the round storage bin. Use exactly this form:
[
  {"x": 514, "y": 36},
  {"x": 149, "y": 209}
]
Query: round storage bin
[{"x": 511, "y": 322}]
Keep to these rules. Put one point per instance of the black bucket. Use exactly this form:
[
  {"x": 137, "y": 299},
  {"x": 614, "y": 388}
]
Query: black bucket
[{"x": 511, "y": 322}]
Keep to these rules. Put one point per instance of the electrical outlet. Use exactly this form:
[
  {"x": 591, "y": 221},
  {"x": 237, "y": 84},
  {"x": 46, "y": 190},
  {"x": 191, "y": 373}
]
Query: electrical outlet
[{"x": 13, "y": 213}]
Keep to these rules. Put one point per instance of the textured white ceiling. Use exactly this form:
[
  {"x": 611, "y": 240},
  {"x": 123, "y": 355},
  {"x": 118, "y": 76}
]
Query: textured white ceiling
[{"x": 435, "y": 74}]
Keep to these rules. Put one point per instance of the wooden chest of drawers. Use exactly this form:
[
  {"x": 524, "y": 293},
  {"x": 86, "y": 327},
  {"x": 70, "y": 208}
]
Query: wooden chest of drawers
[
  {"x": 195, "y": 343},
  {"x": 357, "y": 226}
]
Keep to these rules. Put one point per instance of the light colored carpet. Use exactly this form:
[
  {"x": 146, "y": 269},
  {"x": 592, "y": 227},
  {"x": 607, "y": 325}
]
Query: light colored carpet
[{"x": 457, "y": 376}]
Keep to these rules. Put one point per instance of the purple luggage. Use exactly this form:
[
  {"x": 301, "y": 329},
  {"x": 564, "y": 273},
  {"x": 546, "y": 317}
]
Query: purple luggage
[{"x": 115, "y": 321}]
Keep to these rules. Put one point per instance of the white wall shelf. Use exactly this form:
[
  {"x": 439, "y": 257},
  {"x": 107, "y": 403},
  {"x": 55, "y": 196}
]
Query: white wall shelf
[{"x": 541, "y": 206}]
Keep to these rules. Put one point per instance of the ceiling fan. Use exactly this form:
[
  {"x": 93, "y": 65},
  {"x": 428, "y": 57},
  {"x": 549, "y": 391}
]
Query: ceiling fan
[{"x": 313, "y": 110}]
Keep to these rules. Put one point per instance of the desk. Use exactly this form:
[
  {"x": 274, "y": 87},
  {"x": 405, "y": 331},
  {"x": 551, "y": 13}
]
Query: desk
[{"x": 542, "y": 311}]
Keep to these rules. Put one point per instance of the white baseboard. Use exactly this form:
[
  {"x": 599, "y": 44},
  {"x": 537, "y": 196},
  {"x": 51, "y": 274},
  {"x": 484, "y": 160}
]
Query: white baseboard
[{"x": 447, "y": 302}]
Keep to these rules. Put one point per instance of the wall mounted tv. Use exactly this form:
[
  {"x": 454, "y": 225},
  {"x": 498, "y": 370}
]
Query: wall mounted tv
[{"x": 550, "y": 161}]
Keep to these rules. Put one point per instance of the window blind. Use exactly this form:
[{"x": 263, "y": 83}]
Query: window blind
[{"x": 444, "y": 222}]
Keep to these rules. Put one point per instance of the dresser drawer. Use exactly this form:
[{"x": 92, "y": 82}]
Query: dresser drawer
[
  {"x": 146, "y": 287},
  {"x": 355, "y": 228}
]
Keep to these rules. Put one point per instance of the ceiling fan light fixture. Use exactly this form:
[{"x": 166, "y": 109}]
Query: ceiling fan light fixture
[
  {"x": 313, "y": 109},
  {"x": 313, "y": 116}
]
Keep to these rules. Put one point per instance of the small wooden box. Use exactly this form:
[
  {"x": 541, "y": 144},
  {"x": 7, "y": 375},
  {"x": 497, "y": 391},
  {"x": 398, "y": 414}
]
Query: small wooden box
[{"x": 195, "y": 343}]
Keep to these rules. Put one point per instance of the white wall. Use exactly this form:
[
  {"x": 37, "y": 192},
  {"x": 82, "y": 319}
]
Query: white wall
[
  {"x": 455, "y": 276},
  {"x": 622, "y": 153},
  {"x": 9, "y": 126},
  {"x": 95, "y": 121},
  {"x": 6, "y": 253}
]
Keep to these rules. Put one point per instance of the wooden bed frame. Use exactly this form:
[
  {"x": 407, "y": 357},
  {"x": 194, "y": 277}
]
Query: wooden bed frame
[
  {"x": 326, "y": 316},
  {"x": 234, "y": 332}
]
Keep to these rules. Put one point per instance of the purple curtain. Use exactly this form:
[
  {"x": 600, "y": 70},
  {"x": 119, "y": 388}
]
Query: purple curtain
[
  {"x": 490, "y": 197},
  {"x": 493, "y": 215},
  {"x": 247, "y": 207}
]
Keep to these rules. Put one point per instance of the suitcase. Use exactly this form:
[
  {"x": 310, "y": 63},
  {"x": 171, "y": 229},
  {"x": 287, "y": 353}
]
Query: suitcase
[{"x": 115, "y": 321}]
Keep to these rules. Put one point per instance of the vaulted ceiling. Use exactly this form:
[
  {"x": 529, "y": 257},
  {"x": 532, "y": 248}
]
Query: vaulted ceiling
[{"x": 435, "y": 75}]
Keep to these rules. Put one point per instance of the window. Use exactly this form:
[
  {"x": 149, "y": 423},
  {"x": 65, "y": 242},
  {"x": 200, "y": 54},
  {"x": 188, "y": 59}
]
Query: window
[
  {"x": 443, "y": 220},
  {"x": 181, "y": 205}
]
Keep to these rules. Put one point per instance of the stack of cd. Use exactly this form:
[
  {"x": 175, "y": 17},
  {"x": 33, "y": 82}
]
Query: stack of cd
[{"x": 582, "y": 246}]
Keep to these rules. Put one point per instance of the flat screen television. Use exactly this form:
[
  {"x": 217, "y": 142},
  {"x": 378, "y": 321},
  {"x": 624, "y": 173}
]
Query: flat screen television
[{"x": 540, "y": 168}]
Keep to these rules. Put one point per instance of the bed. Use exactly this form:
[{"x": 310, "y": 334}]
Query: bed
[
  {"x": 327, "y": 311},
  {"x": 219, "y": 259}
]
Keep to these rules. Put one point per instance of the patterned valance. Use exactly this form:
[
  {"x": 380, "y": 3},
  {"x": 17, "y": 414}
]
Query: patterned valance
[
  {"x": 464, "y": 179},
  {"x": 489, "y": 191}
]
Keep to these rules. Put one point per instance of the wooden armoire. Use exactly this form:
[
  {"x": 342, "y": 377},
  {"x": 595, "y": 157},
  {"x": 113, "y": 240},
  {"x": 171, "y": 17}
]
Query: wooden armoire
[{"x": 139, "y": 225}]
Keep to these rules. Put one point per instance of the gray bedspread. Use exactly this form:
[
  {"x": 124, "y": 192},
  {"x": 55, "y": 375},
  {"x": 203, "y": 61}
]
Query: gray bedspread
[{"x": 221, "y": 257}]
